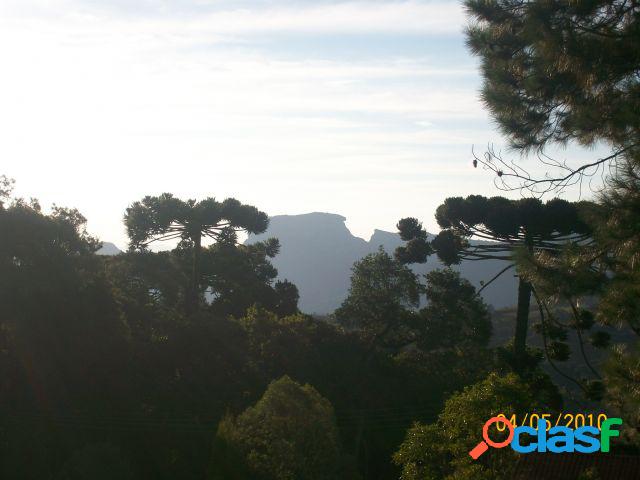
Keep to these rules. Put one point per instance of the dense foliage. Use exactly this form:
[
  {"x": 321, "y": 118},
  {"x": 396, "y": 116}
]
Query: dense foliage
[
  {"x": 291, "y": 433},
  {"x": 560, "y": 72},
  {"x": 100, "y": 364},
  {"x": 500, "y": 228},
  {"x": 440, "y": 450}
]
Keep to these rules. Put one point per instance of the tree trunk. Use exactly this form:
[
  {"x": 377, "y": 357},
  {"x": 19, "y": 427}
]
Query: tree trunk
[
  {"x": 522, "y": 323},
  {"x": 522, "y": 317},
  {"x": 194, "y": 288}
]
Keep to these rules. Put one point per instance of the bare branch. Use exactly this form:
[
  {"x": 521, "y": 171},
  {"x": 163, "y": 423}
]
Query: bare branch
[
  {"x": 512, "y": 177},
  {"x": 495, "y": 277}
]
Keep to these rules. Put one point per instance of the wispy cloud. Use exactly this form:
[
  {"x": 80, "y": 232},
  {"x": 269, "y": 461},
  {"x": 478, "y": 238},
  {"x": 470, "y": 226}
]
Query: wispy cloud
[
  {"x": 197, "y": 100},
  {"x": 404, "y": 17},
  {"x": 430, "y": 18}
]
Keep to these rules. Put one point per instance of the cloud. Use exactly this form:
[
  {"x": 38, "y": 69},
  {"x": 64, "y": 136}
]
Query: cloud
[
  {"x": 428, "y": 18},
  {"x": 213, "y": 18},
  {"x": 103, "y": 103}
]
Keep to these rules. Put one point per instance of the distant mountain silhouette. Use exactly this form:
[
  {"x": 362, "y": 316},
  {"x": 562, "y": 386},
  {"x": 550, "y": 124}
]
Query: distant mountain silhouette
[
  {"x": 318, "y": 251},
  {"x": 108, "y": 249}
]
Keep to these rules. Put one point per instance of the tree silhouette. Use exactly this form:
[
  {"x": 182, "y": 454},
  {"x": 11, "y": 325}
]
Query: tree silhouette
[
  {"x": 239, "y": 276},
  {"x": 561, "y": 72},
  {"x": 287, "y": 297},
  {"x": 504, "y": 227},
  {"x": 455, "y": 317},
  {"x": 166, "y": 218},
  {"x": 381, "y": 300}
]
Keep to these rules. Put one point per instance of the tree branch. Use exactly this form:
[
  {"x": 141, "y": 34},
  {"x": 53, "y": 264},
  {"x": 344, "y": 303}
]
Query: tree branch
[
  {"x": 495, "y": 277},
  {"x": 546, "y": 348},
  {"x": 539, "y": 186}
]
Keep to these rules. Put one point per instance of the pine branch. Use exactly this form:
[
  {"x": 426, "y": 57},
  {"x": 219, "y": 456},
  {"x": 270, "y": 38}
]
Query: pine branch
[
  {"x": 546, "y": 347},
  {"x": 581, "y": 342}
]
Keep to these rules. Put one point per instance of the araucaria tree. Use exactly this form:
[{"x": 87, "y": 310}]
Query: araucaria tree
[
  {"x": 500, "y": 228},
  {"x": 168, "y": 218},
  {"x": 559, "y": 72}
]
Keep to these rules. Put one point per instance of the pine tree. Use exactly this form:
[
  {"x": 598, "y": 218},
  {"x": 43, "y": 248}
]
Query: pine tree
[{"x": 559, "y": 72}]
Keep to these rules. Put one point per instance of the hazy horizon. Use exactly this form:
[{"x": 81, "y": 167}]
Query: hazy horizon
[{"x": 365, "y": 109}]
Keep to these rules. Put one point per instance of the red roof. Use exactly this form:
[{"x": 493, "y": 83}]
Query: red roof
[{"x": 569, "y": 466}]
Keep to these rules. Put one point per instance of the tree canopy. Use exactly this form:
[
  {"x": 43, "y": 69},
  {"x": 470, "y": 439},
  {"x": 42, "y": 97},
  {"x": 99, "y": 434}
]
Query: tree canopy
[
  {"x": 168, "y": 218},
  {"x": 441, "y": 450},
  {"x": 479, "y": 228},
  {"x": 380, "y": 299},
  {"x": 455, "y": 317},
  {"x": 290, "y": 434},
  {"x": 558, "y": 72}
]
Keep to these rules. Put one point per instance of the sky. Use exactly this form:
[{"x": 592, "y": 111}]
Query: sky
[{"x": 368, "y": 109}]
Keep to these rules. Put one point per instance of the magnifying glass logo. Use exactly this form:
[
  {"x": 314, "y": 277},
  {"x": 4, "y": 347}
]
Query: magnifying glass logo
[{"x": 484, "y": 446}]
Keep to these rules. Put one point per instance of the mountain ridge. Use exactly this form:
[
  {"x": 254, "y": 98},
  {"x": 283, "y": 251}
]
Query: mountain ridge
[{"x": 318, "y": 251}]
